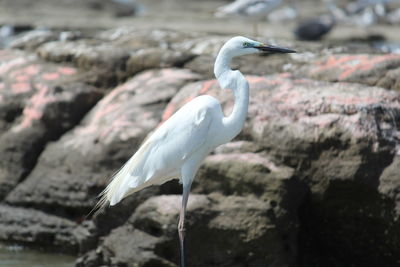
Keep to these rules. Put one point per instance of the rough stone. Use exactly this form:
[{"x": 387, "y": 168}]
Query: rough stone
[
  {"x": 312, "y": 180},
  {"x": 239, "y": 173},
  {"x": 153, "y": 58},
  {"x": 238, "y": 231},
  {"x": 117, "y": 54},
  {"x": 72, "y": 172},
  {"x": 35, "y": 228},
  {"x": 33, "y": 39},
  {"x": 132, "y": 247},
  {"x": 372, "y": 70},
  {"x": 299, "y": 121},
  {"x": 105, "y": 60},
  {"x": 40, "y": 102},
  {"x": 389, "y": 182},
  {"x": 339, "y": 138},
  {"x": 139, "y": 38}
]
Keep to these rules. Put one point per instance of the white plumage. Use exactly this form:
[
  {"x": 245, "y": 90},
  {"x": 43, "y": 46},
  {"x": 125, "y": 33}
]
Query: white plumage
[{"x": 185, "y": 137}]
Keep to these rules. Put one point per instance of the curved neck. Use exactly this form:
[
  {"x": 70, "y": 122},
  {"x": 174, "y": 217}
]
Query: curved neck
[{"x": 235, "y": 81}]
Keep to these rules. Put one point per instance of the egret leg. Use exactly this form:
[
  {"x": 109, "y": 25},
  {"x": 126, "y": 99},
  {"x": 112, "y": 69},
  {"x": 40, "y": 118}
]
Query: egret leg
[{"x": 181, "y": 224}]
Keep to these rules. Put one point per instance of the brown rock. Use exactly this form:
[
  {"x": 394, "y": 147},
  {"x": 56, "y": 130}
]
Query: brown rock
[
  {"x": 372, "y": 70},
  {"x": 36, "y": 228},
  {"x": 40, "y": 102},
  {"x": 298, "y": 121},
  {"x": 33, "y": 39},
  {"x": 239, "y": 173},
  {"x": 71, "y": 172},
  {"x": 339, "y": 138},
  {"x": 115, "y": 55},
  {"x": 237, "y": 231},
  {"x": 389, "y": 183}
]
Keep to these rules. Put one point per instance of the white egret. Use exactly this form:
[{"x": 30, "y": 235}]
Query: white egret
[
  {"x": 253, "y": 10},
  {"x": 177, "y": 148}
]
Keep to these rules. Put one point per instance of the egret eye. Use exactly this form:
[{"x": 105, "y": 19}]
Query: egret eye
[{"x": 246, "y": 44}]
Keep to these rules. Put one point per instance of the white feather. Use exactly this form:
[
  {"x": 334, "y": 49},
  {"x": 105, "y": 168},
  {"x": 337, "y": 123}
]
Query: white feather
[{"x": 161, "y": 156}]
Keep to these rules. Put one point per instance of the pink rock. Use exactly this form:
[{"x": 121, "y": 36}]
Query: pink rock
[
  {"x": 360, "y": 68},
  {"x": 50, "y": 76},
  {"x": 21, "y": 87},
  {"x": 67, "y": 70}
]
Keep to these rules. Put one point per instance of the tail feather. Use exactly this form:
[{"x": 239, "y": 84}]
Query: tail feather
[{"x": 120, "y": 186}]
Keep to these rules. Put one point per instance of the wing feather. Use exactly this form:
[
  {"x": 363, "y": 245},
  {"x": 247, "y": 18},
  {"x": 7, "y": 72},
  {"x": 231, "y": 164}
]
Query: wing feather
[{"x": 161, "y": 156}]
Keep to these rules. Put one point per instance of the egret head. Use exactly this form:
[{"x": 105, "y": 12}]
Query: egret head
[{"x": 240, "y": 45}]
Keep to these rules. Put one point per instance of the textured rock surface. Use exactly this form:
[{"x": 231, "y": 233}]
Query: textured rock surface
[
  {"x": 39, "y": 102},
  {"x": 312, "y": 180},
  {"x": 71, "y": 172},
  {"x": 339, "y": 138},
  {"x": 373, "y": 70},
  {"x": 248, "y": 225},
  {"x": 29, "y": 227},
  {"x": 114, "y": 55},
  {"x": 33, "y": 39}
]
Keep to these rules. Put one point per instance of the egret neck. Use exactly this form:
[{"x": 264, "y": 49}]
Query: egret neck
[{"x": 234, "y": 80}]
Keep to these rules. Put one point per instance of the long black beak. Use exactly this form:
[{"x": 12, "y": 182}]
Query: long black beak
[{"x": 274, "y": 49}]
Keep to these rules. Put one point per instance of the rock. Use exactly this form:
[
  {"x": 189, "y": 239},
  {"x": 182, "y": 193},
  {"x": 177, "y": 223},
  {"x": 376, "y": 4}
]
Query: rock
[
  {"x": 90, "y": 259},
  {"x": 74, "y": 170},
  {"x": 389, "y": 182},
  {"x": 202, "y": 45},
  {"x": 35, "y": 228},
  {"x": 104, "y": 59},
  {"x": 315, "y": 166},
  {"x": 298, "y": 121},
  {"x": 143, "y": 38},
  {"x": 40, "y": 102},
  {"x": 351, "y": 223},
  {"x": 239, "y": 173},
  {"x": 156, "y": 58},
  {"x": 132, "y": 247},
  {"x": 372, "y": 70},
  {"x": 33, "y": 39},
  {"x": 341, "y": 140},
  {"x": 86, "y": 236},
  {"x": 238, "y": 231},
  {"x": 114, "y": 57}
]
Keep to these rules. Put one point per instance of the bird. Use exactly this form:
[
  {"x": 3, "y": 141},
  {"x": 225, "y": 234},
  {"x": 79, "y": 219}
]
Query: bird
[
  {"x": 315, "y": 28},
  {"x": 253, "y": 10},
  {"x": 363, "y": 13},
  {"x": 178, "y": 146}
]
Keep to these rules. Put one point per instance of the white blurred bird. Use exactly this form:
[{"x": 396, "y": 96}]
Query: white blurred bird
[
  {"x": 177, "y": 148},
  {"x": 252, "y": 10}
]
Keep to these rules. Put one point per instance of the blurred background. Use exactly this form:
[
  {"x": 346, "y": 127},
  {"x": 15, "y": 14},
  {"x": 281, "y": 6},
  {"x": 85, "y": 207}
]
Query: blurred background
[
  {"x": 355, "y": 19},
  {"x": 312, "y": 180}
]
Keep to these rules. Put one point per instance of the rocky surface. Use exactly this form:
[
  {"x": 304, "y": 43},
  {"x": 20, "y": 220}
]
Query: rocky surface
[
  {"x": 39, "y": 102},
  {"x": 249, "y": 225},
  {"x": 32, "y": 227},
  {"x": 312, "y": 180},
  {"x": 372, "y": 70},
  {"x": 72, "y": 172}
]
